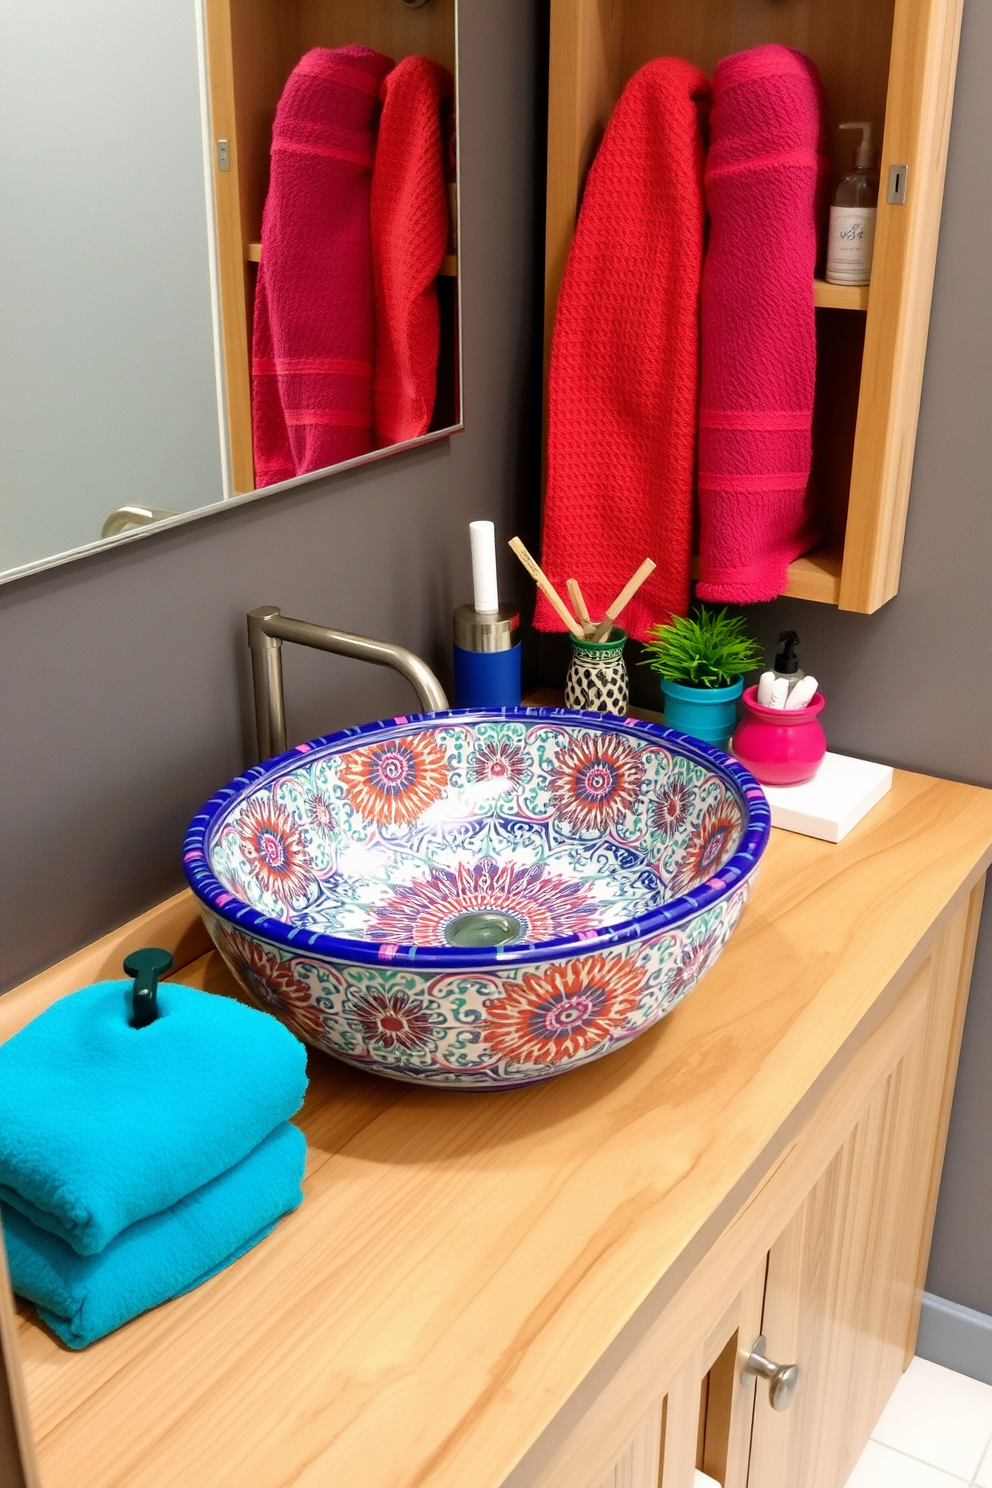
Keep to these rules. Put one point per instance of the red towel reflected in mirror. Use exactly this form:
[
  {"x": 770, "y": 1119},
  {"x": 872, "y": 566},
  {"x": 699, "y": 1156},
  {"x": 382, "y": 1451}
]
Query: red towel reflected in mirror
[{"x": 314, "y": 332}]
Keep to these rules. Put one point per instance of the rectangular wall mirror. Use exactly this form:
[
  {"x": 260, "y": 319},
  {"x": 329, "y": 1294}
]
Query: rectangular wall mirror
[{"x": 137, "y": 156}]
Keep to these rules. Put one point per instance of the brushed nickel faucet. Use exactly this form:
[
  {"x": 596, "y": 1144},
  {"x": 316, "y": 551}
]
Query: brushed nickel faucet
[{"x": 268, "y": 627}]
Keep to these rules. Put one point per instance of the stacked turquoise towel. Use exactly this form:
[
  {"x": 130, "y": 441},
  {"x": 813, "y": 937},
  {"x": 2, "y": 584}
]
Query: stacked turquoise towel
[{"x": 136, "y": 1162}]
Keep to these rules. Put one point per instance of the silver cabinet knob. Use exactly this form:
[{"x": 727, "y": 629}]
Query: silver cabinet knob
[{"x": 783, "y": 1379}]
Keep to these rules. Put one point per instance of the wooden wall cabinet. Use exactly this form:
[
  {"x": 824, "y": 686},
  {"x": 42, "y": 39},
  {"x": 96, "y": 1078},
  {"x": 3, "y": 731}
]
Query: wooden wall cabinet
[
  {"x": 252, "y": 46},
  {"x": 891, "y": 61}
]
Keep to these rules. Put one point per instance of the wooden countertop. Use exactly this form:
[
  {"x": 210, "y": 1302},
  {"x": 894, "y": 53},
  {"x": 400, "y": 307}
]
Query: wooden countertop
[{"x": 462, "y": 1260}]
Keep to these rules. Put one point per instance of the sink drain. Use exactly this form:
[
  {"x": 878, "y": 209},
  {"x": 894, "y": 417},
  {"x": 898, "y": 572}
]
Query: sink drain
[{"x": 485, "y": 928}]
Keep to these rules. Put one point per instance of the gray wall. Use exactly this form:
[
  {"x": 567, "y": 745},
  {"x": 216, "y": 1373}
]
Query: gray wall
[
  {"x": 107, "y": 382},
  {"x": 123, "y": 677}
]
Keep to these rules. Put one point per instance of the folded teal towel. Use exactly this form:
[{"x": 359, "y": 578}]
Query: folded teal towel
[
  {"x": 102, "y": 1124},
  {"x": 83, "y": 1297}
]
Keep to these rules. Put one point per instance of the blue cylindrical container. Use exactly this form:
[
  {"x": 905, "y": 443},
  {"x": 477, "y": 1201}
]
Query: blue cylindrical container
[{"x": 487, "y": 657}]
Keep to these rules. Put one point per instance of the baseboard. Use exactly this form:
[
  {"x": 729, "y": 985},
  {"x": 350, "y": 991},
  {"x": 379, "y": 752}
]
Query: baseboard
[{"x": 957, "y": 1337}]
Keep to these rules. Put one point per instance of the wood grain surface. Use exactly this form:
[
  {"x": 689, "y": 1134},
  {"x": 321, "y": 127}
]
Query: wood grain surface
[
  {"x": 844, "y": 1277},
  {"x": 235, "y": 291},
  {"x": 174, "y": 924},
  {"x": 462, "y": 1261},
  {"x": 925, "y": 39},
  {"x": 849, "y": 1321}
]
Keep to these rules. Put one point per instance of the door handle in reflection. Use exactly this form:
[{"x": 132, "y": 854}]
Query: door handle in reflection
[
  {"x": 783, "y": 1379},
  {"x": 127, "y": 518}
]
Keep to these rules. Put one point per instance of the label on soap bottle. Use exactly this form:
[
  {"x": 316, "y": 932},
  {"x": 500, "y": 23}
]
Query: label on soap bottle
[{"x": 849, "y": 245}]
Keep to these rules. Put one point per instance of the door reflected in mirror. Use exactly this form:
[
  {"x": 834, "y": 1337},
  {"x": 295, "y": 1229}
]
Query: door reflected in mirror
[{"x": 230, "y": 255}]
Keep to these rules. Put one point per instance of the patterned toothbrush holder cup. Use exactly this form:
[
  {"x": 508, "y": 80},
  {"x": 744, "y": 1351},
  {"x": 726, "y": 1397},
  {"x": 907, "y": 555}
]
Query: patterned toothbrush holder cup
[{"x": 597, "y": 676}]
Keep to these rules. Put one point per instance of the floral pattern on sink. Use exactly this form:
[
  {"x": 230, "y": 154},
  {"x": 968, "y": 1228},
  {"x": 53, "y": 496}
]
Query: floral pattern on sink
[
  {"x": 566, "y": 830},
  {"x": 330, "y": 877},
  {"x": 479, "y": 1031}
]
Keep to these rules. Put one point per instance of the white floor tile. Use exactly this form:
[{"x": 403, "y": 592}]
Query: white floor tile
[
  {"x": 943, "y": 1418},
  {"x": 983, "y": 1477},
  {"x": 882, "y": 1467}
]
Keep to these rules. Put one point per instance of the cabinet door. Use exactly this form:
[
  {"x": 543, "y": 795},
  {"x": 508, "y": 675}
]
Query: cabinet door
[
  {"x": 637, "y": 1465},
  {"x": 845, "y": 1276},
  {"x": 677, "y": 1402}
]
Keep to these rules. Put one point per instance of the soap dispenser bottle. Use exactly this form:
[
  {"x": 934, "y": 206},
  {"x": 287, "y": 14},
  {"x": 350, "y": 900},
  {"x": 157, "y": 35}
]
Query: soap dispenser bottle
[
  {"x": 851, "y": 238},
  {"x": 787, "y": 666}
]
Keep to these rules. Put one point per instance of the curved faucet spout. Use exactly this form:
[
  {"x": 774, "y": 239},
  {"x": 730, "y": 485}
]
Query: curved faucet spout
[{"x": 268, "y": 627}]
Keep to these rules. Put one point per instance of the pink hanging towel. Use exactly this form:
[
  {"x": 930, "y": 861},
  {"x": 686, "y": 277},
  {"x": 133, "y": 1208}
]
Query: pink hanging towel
[
  {"x": 624, "y": 377},
  {"x": 767, "y": 155},
  {"x": 314, "y": 333},
  {"x": 409, "y": 237}
]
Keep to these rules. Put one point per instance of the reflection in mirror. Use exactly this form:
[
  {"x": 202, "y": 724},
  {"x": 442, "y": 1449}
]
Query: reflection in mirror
[
  {"x": 334, "y": 166},
  {"x": 107, "y": 356},
  {"x": 229, "y": 255}
]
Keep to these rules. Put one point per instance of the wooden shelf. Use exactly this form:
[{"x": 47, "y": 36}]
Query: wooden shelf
[
  {"x": 815, "y": 576},
  {"x": 449, "y": 263},
  {"x": 839, "y": 296}
]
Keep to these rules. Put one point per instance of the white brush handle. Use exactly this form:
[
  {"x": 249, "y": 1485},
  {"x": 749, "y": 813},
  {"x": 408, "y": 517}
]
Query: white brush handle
[
  {"x": 802, "y": 694},
  {"x": 780, "y": 693},
  {"x": 765, "y": 684},
  {"x": 482, "y": 536}
]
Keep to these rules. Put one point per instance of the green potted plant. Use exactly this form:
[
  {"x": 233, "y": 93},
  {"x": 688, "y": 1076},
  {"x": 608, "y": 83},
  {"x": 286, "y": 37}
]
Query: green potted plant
[{"x": 701, "y": 659}]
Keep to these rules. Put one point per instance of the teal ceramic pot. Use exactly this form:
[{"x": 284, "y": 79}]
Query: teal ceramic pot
[{"x": 707, "y": 713}]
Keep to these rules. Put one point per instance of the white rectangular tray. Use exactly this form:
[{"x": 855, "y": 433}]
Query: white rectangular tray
[{"x": 842, "y": 791}]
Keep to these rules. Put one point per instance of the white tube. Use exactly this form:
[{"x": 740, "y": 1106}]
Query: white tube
[
  {"x": 484, "y": 581},
  {"x": 803, "y": 693},
  {"x": 780, "y": 691},
  {"x": 765, "y": 684}
]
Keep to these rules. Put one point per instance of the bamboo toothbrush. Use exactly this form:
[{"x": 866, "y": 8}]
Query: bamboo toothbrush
[
  {"x": 547, "y": 588},
  {"x": 579, "y": 606},
  {"x": 623, "y": 598}
]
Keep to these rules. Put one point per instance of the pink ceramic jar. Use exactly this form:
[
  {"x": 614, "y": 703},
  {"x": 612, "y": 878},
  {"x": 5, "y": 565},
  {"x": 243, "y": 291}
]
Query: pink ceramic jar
[{"x": 780, "y": 746}]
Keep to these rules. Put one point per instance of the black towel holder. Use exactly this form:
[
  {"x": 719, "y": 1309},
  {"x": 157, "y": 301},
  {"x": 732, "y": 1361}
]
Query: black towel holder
[{"x": 146, "y": 966}]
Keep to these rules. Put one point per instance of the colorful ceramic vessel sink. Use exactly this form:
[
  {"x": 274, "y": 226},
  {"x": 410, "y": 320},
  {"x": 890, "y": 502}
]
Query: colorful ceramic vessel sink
[{"x": 478, "y": 899}]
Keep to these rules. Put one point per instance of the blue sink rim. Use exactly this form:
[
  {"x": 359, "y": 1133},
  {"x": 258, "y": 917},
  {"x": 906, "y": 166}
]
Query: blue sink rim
[{"x": 228, "y": 907}]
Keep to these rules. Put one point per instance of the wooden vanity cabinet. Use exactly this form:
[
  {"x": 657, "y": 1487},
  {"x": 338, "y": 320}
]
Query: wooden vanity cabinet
[
  {"x": 251, "y": 48},
  {"x": 827, "y": 1260},
  {"x": 890, "y": 61},
  {"x": 556, "y": 1287}
]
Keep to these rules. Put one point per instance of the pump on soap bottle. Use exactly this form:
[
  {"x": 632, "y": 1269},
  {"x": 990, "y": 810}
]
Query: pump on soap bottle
[{"x": 851, "y": 239}]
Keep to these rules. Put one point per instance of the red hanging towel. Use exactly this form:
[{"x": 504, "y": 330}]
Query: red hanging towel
[
  {"x": 625, "y": 355},
  {"x": 314, "y": 334},
  {"x": 767, "y": 157},
  {"x": 409, "y": 237}
]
